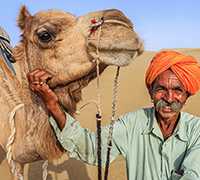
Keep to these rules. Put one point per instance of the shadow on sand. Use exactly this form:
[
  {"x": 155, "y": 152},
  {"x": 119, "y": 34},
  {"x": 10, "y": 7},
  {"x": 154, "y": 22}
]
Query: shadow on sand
[{"x": 72, "y": 170}]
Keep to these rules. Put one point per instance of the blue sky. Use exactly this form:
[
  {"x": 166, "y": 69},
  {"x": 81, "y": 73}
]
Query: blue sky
[{"x": 161, "y": 24}]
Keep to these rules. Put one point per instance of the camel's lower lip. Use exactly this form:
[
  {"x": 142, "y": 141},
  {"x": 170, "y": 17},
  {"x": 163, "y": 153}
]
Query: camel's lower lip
[
  {"x": 116, "y": 51},
  {"x": 117, "y": 57}
]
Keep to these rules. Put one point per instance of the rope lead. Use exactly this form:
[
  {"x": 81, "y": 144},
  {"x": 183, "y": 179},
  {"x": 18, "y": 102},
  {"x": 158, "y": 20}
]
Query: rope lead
[{"x": 114, "y": 108}]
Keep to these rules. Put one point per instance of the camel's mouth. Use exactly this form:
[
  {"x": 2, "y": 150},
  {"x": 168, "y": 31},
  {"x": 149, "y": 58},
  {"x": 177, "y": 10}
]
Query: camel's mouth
[
  {"x": 116, "y": 57},
  {"x": 115, "y": 43}
]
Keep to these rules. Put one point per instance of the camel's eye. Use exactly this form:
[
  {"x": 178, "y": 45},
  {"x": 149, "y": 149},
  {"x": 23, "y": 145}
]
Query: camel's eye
[{"x": 45, "y": 36}]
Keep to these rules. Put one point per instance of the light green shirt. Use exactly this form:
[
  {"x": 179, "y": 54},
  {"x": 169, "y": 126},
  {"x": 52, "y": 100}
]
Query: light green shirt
[{"x": 138, "y": 138}]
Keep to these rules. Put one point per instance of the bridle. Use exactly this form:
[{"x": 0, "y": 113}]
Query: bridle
[{"x": 96, "y": 24}]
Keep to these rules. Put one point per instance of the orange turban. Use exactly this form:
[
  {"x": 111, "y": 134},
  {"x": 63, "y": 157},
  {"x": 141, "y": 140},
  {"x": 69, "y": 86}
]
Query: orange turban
[{"x": 186, "y": 68}]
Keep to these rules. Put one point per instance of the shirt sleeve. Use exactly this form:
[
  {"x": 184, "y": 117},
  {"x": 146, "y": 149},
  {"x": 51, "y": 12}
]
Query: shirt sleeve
[
  {"x": 81, "y": 142},
  {"x": 191, "y": 161}
]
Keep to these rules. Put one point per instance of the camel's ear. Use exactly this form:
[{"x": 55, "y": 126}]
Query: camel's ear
[{"x": 24, "y": 15}]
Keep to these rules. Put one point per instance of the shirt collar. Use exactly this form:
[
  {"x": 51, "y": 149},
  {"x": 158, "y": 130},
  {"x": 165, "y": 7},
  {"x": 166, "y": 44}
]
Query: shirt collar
[
  {"x": 180, "y": 130},
  {"x": 152, "y": 126},
  {"x": 150, "y": 123}
]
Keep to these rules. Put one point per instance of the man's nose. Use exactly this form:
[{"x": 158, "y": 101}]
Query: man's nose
[{"x": 169, "y": 97}]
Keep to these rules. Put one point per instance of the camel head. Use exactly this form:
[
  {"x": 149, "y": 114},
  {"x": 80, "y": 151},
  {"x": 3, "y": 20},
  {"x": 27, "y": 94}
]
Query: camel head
[{"x": 68, "y": 47}]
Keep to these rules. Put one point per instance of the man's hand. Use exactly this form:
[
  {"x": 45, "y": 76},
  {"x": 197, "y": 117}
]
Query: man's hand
[
  {"x": 38, "y": 79},
  {"x": 38, "y": 84}
]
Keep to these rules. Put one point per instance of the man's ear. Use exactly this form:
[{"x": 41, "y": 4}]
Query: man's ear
[
  {"x": 150, "y": 90},
  {"x": 23, "y": 17},
  {"x": 188, "y": 94}
]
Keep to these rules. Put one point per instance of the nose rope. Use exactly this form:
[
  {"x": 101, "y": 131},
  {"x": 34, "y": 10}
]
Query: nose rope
[
  {"x": 94, "y": 26},
  {"x": 98, "y": 115},
  {"x": 113, "y": 118}
]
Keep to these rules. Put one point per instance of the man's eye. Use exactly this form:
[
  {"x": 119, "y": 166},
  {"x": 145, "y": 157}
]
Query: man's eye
[
  {"x": 159, "y": 89},
  {"x": 179, "y": 90},
  {"x": 45, "y": 36}
]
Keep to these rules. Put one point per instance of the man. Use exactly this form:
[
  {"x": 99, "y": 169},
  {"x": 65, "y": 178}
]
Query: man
[{"x": 158, "y": 143}]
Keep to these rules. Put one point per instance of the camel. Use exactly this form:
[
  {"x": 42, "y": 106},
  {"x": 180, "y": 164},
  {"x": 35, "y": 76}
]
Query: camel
[{"x": 68, "y": 47}]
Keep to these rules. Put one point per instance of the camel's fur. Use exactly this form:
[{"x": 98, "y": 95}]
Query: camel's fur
[{"x": 68, "y": 57}]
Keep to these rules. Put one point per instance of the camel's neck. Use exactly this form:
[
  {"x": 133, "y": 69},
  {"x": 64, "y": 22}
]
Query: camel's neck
[
  {"x": 28, "y": 58},
  {"x": 23, "y": 67}
]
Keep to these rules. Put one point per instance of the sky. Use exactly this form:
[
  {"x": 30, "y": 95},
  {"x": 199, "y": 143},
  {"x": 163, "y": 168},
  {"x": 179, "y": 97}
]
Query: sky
[{"x": 160, "y": 23}]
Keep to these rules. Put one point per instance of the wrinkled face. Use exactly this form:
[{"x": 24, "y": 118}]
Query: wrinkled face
[{"x": 168, "y": 95}]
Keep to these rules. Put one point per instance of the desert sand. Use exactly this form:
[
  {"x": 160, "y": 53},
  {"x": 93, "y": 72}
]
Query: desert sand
[{"x": 132, "y": 94}]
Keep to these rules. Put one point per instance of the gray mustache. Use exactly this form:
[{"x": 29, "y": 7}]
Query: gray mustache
[{"x": 175, "y": 106}]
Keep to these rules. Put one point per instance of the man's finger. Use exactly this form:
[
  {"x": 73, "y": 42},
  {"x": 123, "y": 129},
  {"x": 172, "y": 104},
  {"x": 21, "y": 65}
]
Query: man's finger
[
  {"x": 43, "y": 89},
  {"x": 38, "y": 74},
  {"x": 45, "y": 77},
  {"x": 35, "y": 83},
  {"x": 30, "y": 75},
  {"x": 35, "y": 87}
]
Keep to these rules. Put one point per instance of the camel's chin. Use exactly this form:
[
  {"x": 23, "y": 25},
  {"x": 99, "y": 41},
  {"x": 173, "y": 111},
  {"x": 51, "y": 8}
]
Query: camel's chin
[{"x": 117, "y": 58}]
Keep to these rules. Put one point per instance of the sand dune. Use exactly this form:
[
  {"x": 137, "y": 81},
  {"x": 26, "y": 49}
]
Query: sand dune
[{"x": 132, "y": 94}]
